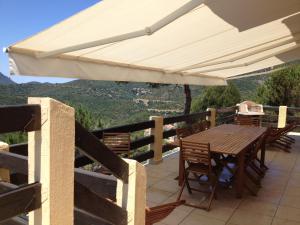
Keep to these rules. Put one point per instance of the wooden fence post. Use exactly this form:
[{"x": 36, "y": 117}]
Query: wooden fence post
[
  {"x": 282, "y": 116},
  {"x": 51, "y": 162},
  {"x": 212, "y": 117},
  {"x": 132, "y": 196},
  {"x": 4, "y": 173},
  {"x": 157, "y": 132}
]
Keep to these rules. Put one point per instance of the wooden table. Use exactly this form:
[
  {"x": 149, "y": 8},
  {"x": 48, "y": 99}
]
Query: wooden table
[{"x": 231, "y": 140}]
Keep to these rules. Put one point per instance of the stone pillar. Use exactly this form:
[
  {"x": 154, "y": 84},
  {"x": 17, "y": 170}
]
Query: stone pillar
[
  {"x": 212, "y": 117},
  {"x": 132, "y": 196},
  {"x": 51, "y": 162},
  {"x": 4, "y": 173},
  {"x": 282, "y": 116},
  {"x": 157, "y": 132}
]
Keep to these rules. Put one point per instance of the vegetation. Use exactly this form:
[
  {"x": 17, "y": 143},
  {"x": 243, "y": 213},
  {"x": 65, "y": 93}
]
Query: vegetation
[
  {"x": 217, "y": 97},
  {"x": 281, "y": 88}
]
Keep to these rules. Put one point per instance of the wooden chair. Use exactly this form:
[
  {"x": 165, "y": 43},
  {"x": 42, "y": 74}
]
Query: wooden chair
[
  {"x": 248, "y": 121},
  {"x": 279, "y": 138},
  {"x": 251, "y": 158},
  {"x": 198, "y": 159},
  {"x": 183, "y": 132},
  {"x": 201, "y": 126},
  {"x": 158, "y": 213},
  {"x": 119, "y": 143}
]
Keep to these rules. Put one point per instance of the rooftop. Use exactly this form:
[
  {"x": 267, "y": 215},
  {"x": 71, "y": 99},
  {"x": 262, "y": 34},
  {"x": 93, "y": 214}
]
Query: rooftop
[{"x": 277, "y": 201}]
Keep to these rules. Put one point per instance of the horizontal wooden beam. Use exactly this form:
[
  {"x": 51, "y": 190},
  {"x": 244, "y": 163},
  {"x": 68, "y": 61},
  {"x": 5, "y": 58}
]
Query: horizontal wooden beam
[
  {"x": 102, "y": 185},
  {"x": 20, "y": 118},
  {"x": 15, "y": 221},
  {"x": 81, "y": 217},
  {"x": 182, "y": 118},
  {"x": 125, "y": 128},
  {"x": 169, "y": 133},
  {"x": 14, "y": 162},
  {"x": 21, "y": 149},
  {"x": 100, "y": 207},
  {"x": 141, "y": 142},
  {"x": 91, "y": 146},
  {"x": 144, "y": 156},
  {"x": 21, "y": 200}
]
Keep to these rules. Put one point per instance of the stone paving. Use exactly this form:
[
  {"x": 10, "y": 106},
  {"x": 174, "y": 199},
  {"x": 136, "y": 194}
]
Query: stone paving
[{"x": 277, "y": 202}]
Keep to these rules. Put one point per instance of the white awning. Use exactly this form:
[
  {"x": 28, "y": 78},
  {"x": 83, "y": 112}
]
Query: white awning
[{"x": 164, "y": 41}]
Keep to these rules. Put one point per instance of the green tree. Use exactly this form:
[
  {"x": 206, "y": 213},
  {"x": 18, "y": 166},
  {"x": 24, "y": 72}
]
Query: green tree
[
  {"x": 217, "y": 97},
  {"x": 86, "y": 119},
  {"x": 281, "y": 88},
  {"x": 14, "y": 138}
]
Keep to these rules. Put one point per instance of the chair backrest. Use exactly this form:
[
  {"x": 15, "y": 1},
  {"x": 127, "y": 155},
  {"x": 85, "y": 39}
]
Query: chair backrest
[
  {"x": 195, "y": 152},
  {"x": 197, "y": 127},
  {"x": 158, "y": 213},
  {"x": 118, "y": 142},
  {"x": 248, "y": 120},
  {"x": 183, "y": 132}
]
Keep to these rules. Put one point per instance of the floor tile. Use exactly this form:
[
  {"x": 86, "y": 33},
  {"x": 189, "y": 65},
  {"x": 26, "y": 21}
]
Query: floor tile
[
  {"x": 290, "y": 213},
  {"x": 245, "y": 217}
]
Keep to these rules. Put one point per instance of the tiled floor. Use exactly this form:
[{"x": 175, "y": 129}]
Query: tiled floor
[{"x": 277, "y": 202}]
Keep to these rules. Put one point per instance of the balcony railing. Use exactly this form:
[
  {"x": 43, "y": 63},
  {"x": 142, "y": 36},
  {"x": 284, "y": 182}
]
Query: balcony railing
[{"x": 91, "y": 190}]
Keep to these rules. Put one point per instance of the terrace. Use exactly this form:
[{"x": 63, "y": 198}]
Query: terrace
[{"x": 276, "y": 202}]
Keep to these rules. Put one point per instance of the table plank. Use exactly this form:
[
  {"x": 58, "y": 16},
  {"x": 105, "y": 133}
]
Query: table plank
[{"x": 228, "y": 138}]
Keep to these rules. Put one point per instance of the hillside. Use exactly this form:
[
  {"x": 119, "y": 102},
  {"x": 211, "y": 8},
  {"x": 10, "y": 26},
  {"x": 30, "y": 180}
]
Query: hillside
[
  {"x": 115, "y": 103},
  {"x": 5, "y": 80}
]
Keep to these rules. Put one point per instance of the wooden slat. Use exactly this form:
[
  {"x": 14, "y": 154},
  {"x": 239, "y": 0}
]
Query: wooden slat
[
  {"x": 142, "y": 142},
  {"x": 90, "y": 202},
  {"x": 94, "y": 149},
  {"x": 227, "y": 109},
  {"x": 20, "y": 200},
  {"x": 82, "y": 160},
  {"x": 102, "y": 185},
  {"x": 15, "y": 221},
  {"x": 81, "y": 217},
  {"x": 169, "y": 133},
  {"x": 21, "y": 149},
  {"x": 14, "y": 162},
  {"x": 125, "y": 128},
  {"x": 84, "y": 218},
  {"x": 144, "y": 156},
  {"x": 20, "y": 118},
  {"x": 181, "y": 118},
  {"x": 228, "y": 138}
]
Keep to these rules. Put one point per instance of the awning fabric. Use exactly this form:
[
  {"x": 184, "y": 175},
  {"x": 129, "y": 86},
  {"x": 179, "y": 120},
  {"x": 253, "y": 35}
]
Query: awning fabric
[{"x": 217, "y": 40}]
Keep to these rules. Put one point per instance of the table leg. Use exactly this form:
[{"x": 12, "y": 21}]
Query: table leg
[
  {"x": 240, "y": 175},
  {"x": 263, "y": 156}
]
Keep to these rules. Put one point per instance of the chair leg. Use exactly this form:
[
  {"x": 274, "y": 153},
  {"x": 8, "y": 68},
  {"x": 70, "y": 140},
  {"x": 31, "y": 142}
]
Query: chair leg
[
  {"x": 212, "y": 195},
  {"x": 187, "y": 184},
  {"x": 252, "y": 178},
  {"x": 180, "y": 192}
]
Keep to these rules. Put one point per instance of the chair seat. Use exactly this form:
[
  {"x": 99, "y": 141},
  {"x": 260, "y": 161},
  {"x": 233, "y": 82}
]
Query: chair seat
[{"x": 198, "y": 168}]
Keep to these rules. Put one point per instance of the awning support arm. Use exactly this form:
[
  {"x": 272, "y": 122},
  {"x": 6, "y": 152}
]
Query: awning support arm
[{"x": 143, "y": 32}]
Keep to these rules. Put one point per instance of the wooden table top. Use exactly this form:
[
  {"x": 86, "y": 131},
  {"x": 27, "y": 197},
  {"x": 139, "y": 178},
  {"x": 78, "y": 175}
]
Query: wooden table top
[{"x": 228, "y": 138}]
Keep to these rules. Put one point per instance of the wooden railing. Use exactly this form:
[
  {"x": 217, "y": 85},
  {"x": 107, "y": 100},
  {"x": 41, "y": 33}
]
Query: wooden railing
[
  {"x": 47, "y": 161},
  {"x": 28, "y": 197}
]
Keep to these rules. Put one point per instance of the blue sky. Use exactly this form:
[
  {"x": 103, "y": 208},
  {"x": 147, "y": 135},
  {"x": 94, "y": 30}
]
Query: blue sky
[{"x": 23, "y": 18}]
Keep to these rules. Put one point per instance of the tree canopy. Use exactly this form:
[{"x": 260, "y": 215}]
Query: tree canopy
[
  {"x": 281, "y": 88},
  {"x": 217, "y": 97}
]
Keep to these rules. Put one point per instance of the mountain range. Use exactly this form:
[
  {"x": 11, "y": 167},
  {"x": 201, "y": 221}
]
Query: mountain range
[
  {"x": 114, "y": 102},
  {"x": 5, "y": 80}
]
